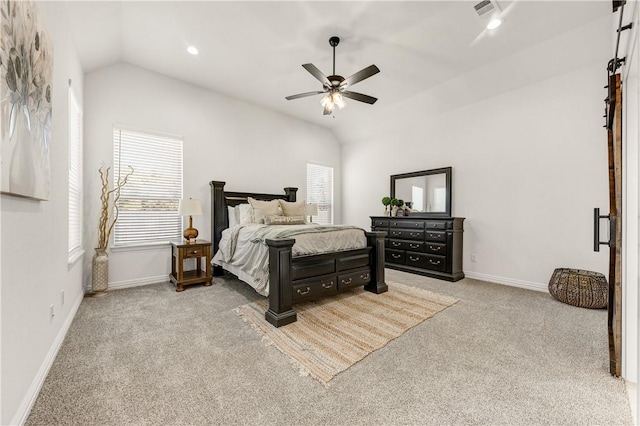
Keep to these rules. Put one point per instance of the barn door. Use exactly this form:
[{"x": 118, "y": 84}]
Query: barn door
[{"x": 614, "y": 141}]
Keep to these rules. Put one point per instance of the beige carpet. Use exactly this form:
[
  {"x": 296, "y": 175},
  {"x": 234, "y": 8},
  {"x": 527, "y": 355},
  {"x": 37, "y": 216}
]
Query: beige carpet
[{"x": 333, "y": 334}]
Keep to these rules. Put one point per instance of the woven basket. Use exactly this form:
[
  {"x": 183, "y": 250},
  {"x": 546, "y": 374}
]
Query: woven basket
[{"x": 577, "y": 287}]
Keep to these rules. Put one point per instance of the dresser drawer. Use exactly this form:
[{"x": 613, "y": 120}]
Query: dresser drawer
[
  {"x": 435, "y": 225},
  {"x": 316, "y": 287},
  {"x": 382, "y": 223},
  {"x": 438, "y": 236},
  {"x": 408, "y": 224},
  {"x": 405, "y": 245},
  {"x": 405, "y": 234},
  {"x": 354, "y": 279},
  {"x": 435, "y": 248},
  {"x": 426, "y": 261},
  {"x": 394, "y": 256},
  {"x": 195, "y": 251}
]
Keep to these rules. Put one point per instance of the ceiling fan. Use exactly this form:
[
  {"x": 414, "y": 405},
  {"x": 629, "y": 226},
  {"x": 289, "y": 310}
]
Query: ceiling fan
[{"x": 335, "y": 86}]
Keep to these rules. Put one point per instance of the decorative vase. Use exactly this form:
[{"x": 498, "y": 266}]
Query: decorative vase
[
  {"x": 386, "y": 211},
  {"x": 100, "y": 272},
  {"x": 394, "y": 211}
]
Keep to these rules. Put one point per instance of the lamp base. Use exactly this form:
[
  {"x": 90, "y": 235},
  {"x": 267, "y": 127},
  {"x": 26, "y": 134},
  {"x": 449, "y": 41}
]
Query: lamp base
[{"x": 190, "y": 233}]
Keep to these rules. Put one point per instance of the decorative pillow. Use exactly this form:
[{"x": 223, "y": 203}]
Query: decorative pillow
[
  {"x": 263, "y": 208},
  {"x": 284, "y": 220},
  {"x": 233, "y": 214},
  {"x": 245, "y": 214},
  {"x": 298, "y": 208}
]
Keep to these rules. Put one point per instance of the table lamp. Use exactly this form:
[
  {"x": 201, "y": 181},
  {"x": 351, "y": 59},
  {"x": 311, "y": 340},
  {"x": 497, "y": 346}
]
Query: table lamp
[
  {"x": 190, "y": 208},
  {"x": 312, "y": 210}
]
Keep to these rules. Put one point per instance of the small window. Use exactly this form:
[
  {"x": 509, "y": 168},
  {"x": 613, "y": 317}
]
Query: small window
[
  {"x": 148, "y": 204},
  {"x": 75, "y": 178},
  {"x": 320, "y": 191}
]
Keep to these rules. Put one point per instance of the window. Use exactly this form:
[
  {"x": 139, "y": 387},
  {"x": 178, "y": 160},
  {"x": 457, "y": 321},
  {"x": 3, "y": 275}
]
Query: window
[
  {"x": 320, "y": 191},
  {"x": 148, "y": 203},
  {"x": 75, "y": 178}
]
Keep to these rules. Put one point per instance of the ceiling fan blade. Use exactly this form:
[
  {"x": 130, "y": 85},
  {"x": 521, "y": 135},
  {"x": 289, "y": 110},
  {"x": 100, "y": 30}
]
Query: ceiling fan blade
[
  {"x": 360, "y": 97},
  {"x": 360, "y": 75},
  {"x": 317, "y": 74},
  {"x": 304, "y": 95}
]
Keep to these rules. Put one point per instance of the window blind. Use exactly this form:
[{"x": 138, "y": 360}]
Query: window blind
[
  {"x": 320, "y": 191},
  {"x": 75, "y": 176},
  {"x": 148, "y": 204}
]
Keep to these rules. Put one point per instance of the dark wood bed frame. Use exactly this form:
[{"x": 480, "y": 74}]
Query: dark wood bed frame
[{"x": 302, "y": 278}]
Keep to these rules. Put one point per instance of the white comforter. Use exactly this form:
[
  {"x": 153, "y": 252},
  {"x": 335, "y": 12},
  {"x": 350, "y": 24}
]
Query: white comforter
[{"x": 242, "y": 249}]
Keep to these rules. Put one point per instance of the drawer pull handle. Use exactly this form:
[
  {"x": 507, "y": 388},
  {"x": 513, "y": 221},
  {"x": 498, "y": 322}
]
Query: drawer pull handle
[
  {"x": 414, "y": 245},
  {"x": 194, "y": 252},
  {"x": 347, "y": 282},
  {"x": 435, "y": 225},
  {"x": 364, "y": 276},
  {"x": 395, "y": 223},
  {"x": 414, "y": 234},
  {"x": 417, "y": 225},
  {"x": 396, "y": 233},
  {"x": 396, "y": 256},
  {"x": 434, "y": 235},
  {"x": 437, "y": 262},
  {"x": 396, "y": 244},
  {"x": 302, "y": 293},
  {"x": 436, "y": 248},
  {"x": 414, "y": 259},
  {"x": 325, "y": 285}
]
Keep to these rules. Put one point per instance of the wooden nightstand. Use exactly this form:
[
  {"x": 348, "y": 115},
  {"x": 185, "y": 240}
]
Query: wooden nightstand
[{"x": 181, "y": 250}]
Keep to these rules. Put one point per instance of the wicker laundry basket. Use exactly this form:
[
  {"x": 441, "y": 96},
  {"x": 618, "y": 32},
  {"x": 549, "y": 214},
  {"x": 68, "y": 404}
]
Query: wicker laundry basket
[{"x": 577, "y": 287}]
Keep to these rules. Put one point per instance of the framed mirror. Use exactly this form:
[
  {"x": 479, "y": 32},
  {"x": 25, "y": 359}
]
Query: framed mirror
[{"x": 427, "y": 193}]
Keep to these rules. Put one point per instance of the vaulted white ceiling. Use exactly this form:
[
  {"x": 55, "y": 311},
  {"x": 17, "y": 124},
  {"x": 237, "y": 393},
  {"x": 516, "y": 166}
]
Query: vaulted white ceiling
[{"x": 254, "y": 50}]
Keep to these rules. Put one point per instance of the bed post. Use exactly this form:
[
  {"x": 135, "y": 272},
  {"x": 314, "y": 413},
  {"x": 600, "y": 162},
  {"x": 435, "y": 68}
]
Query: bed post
[
  {"x": 218, "y": 218},
  {"x": 291, "y": 194},
  {"x": 280, "y": 287},
  {"x": 375, "y": 240}
]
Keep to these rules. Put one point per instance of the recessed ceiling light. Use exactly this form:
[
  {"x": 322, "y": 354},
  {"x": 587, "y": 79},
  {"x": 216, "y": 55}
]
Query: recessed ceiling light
[
  {"x": 193, "y": 50},
  {"x": 494, "y": 23}
]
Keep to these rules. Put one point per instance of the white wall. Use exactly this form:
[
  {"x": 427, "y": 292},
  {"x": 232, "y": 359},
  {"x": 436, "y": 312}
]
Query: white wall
[
  {"x": 529, "y": 163},
  {"x": 249, "y": 147},
  {"x": 34, "y": 251}
]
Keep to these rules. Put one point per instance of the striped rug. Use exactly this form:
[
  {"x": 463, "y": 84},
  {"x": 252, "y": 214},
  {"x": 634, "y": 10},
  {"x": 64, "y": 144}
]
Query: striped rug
[{"x": 333, "y": 334}]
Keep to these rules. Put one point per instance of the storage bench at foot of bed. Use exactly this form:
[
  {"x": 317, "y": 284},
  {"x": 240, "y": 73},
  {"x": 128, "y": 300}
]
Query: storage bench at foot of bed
[{"x": 306, "y": 278}]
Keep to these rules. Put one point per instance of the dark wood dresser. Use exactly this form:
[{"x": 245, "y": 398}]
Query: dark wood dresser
[{"x": 426, "y": 246}]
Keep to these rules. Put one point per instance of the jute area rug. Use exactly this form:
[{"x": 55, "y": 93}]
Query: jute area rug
[{"x": 333, "y": 334}]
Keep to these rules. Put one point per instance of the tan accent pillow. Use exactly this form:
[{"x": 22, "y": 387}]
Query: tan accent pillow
[
  {"x": 297, "y": 208},
  {"x": 262, "y": 209},
  {"x": 284, "y": 220}
]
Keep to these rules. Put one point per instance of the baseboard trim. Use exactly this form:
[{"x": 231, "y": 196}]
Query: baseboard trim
[
  {"x": 34, "y": 389},
  {"x": 507, "y": 281},
  {"x": 116, "y": 285}
]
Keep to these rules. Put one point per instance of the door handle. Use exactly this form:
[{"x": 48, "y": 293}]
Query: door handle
[{"x": 596, "y": 230}]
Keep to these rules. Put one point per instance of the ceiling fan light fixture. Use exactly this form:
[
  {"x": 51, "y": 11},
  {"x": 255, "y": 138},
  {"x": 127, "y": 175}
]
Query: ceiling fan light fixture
[{"x": 494, "y": 23}]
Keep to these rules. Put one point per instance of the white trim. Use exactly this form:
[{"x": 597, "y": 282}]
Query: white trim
[
  {"x": 34, "y": 389},
  {"x": 138, "y": 282},
  {"x": 508, "y": 281},
  {"x": 74, "y": 256},
  {"x": 140, "y": 246}
]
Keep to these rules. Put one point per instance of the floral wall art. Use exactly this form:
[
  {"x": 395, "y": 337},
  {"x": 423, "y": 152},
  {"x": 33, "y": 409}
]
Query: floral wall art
[{"x": 26, "y": 69}]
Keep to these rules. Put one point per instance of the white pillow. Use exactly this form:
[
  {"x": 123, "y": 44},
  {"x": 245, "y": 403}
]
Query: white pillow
[
  {"x": 233, "y": 216},
  {"x": 244, "y": 214},
  {"x": 262, "y": 209},
  {"x": 297, "y": 208}
]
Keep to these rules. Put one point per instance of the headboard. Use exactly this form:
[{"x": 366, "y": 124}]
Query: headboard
[{"x": 221, "y": 199}]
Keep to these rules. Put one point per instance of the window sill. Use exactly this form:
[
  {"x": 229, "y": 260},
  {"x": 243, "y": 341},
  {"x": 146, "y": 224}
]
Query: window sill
[
  {"x": 140, "y": 246},
  {"x": 74, "y": 256}
]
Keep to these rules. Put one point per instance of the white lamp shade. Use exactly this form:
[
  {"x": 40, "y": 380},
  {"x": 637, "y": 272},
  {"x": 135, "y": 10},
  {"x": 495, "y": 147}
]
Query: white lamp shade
[
  {"x": 312, "y": 209},
  {"x": 189, "y": 207}
]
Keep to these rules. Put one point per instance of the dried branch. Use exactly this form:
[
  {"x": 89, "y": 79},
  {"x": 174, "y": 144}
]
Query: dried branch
[{"x": 104, "y": 228}]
